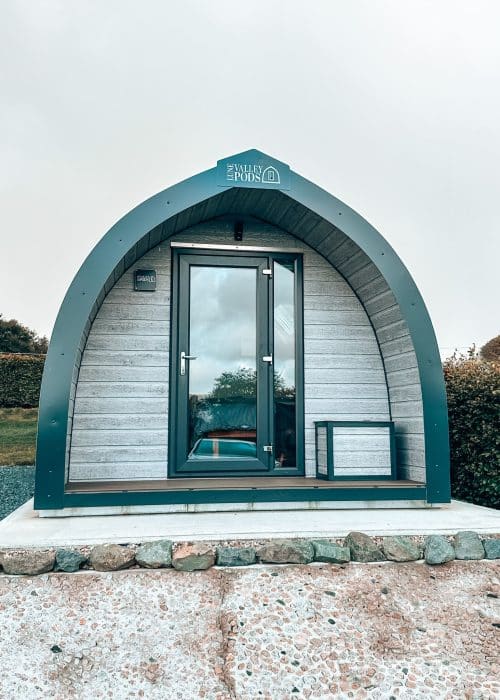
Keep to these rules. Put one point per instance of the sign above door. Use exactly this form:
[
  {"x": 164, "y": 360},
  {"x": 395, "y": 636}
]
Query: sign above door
[{"x": 253, "y": 169}]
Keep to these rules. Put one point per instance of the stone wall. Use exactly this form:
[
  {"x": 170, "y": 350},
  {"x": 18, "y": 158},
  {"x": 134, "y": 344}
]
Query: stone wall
[
  {"x": 356, "y": 547},
  {"x": 373, "y": 630}
]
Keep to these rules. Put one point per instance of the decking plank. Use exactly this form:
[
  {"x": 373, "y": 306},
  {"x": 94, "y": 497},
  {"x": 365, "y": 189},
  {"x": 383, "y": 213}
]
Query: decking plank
[{"x": 259, "y": 483}]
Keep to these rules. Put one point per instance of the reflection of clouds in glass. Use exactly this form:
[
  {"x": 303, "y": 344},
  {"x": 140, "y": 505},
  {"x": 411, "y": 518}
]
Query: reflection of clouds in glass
[
  {"x": 284, "y": 320},
  {"x": 285, "y": 370},
  {"x": 284, "y": 364},
  {"x": 284, "y": 323},
  {"x": 222, "y": 323}
]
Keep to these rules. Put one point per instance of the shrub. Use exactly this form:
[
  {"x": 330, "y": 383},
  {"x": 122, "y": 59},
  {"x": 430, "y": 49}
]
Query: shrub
[
  {"x": 491, "y": 350},
  {"x": 20, "y": 379},
  {"x": 14, "y": 337},
  {"x": 473, "y": 388}
]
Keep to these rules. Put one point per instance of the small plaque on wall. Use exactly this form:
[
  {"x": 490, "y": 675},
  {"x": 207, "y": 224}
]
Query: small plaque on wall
[{"x": 145, "y": 280}]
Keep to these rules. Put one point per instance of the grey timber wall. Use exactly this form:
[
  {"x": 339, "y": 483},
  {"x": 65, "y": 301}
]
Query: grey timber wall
[
  {"x": 120, "y": 422},
  {"x": 121, "y": 406},
  {"x": 399, "y": 357}
]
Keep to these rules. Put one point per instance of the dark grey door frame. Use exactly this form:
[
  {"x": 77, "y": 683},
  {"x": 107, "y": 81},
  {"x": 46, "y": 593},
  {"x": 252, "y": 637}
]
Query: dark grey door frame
[{"x": 178, "y": 465}]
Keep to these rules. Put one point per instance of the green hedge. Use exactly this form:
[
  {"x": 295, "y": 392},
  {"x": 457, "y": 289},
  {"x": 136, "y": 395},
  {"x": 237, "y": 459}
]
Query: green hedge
[
  {"x": 473, "y": 388},
  {"x": 20, "y": 379}
]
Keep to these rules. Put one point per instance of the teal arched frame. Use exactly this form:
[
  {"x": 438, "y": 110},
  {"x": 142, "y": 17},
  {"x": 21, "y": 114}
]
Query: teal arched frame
[{"x": 77, "y": 306}]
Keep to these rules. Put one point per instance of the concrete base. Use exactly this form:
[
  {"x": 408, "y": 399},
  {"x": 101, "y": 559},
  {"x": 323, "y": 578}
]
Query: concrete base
[
  {"x": 231, "y": 507},
  {"x": 24, "y": 528}
]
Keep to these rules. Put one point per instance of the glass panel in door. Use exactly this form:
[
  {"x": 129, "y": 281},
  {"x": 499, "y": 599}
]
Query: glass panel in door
[
  {"x": 285, "y": 431},
  {"x": 222, "y": 395}
]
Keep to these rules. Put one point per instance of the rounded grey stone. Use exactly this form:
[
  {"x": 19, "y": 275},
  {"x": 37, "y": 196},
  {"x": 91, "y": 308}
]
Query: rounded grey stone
[
  {"x": 438, "y": 550},
  {"x": 69, "y": 560},
  {"x": 155, "y": 555},
  {"x": 492, "y": 548},
  {"x": 111, "y": 557},
  {"x": 401, "y": 549},
  {"x": 468, "y": 545},
  {"x": 236, "y": 556},
  {"x": 331, "y": 553},
  {"x": 363, "y": 548},
  {"x": 27, "y": 562},
  {"x": 286, "y": 552}
]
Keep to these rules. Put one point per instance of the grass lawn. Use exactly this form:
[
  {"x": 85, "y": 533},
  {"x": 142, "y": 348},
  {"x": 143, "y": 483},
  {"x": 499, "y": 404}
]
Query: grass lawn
[{"x": 17, "y": 435}]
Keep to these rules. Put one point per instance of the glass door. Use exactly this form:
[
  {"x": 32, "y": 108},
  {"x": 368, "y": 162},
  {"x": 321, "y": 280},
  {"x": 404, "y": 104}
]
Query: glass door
[{"x": 233, "y": 405}]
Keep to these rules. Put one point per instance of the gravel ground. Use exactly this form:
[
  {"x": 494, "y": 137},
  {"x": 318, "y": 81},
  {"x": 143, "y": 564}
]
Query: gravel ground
[{"x": 17, "y": 485}]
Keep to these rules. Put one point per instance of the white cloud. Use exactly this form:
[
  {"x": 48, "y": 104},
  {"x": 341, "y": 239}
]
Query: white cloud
[{"x": 393, "y": 107}]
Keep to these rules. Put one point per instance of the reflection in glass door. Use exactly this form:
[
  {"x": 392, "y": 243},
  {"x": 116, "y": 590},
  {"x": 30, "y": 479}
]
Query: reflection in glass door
[
  {"x": 284, "y": 364},
  {"x": 222, "y": 381},
  {"x": 233, "y": 407}
]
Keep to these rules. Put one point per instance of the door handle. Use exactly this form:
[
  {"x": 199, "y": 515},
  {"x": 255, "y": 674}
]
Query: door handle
[{"x": 185, "y": 357}]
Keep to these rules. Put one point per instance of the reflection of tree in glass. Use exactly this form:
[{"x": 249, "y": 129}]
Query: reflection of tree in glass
[{"x": 243, "y": 383}]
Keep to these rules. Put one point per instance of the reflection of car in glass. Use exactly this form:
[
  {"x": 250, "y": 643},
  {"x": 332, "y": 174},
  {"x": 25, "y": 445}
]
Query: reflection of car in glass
[{"x": 223, "y": 447}]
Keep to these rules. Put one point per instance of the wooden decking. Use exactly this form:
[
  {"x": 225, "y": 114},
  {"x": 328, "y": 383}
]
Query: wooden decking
[{"x": 257, "y": 483}]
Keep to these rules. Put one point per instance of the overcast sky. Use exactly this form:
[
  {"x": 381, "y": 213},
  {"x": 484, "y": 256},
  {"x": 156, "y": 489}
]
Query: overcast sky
[{"x": 391, "y": 105}]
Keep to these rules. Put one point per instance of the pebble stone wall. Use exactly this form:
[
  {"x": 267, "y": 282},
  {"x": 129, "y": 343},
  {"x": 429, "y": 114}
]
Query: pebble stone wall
[
  {"x": 374, "y": 630},
  {"x": 192, "y": 556}
]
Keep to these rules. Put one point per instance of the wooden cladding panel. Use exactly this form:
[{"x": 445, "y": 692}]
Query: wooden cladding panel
[
  {"x": 397, "y": 350},
  {"x": 119, "y": 426},
  {"x": 106, "y": 438},
  {"x": 117, "y": 471}
]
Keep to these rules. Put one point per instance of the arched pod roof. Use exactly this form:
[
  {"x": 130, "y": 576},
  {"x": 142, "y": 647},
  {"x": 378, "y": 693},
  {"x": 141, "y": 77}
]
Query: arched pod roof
[{"x": 289, "y": 201}]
